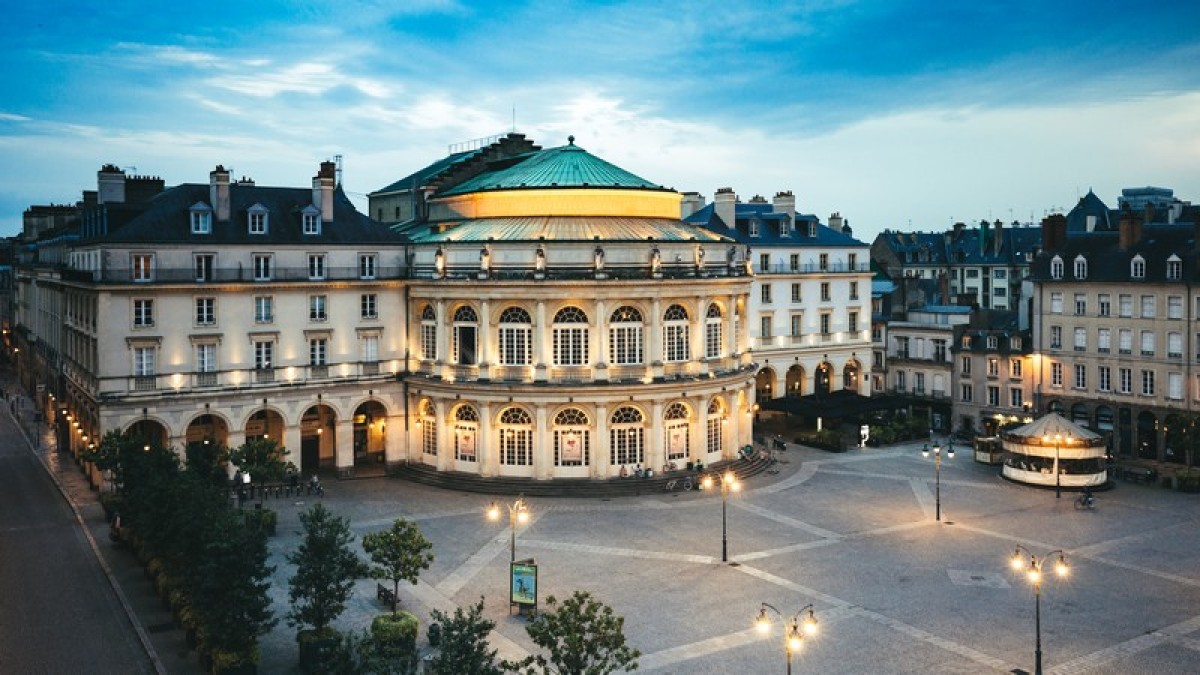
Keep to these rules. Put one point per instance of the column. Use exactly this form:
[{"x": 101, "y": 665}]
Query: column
[
  {"x": 598, "y": 341},
  {"x": 731, "y": 326},
  {"x": 699, "y": 435},
  {"x": 698, "y": 340},
  {"x": 443, "y": 338},
  {"x": 236, "y": 439},
  {"x": 541, "y": 350},
  {"x": 487, "y": 355},
  {"x": 487, "y": 451},
  {"x": 543, "y": 450},
  {"x": 599, "y": 444},
  {"x": 656, "y": 454},
  {"x": 655, "y": 332},
  {"x": 343, "y": 446},
  {"x": 445, "y": 436},
  {"x": 396, "y": 446},
  {"x": 291, "y": 442},
  {"x": 744, "y": 334}
]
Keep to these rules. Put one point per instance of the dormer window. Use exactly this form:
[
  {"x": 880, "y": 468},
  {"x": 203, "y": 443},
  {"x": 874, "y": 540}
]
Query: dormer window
[
  {"x": 311, "y": 220},
  {"x": 201, "y": 218},
  {"x": 1174, "y": 268},
  {"x": 753, "y": 228},
  {"x": 812, "y": 229},
  {"x": 1014, "y": 343},
  {"x": 1137, "y": 267},
  {"x": 1056, "y": 268},
  {"x": 257, "y": 219},
  {"x": 992, "y": 342},
  {"x": 966, "y": 342},
  {"x": 1080, "y": 268},
  {"x": 785, "y": 227}
]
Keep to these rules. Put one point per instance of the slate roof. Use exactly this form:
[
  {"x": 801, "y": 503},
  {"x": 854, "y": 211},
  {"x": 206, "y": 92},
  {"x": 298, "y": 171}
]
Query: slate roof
[
  {"x": 561, "y": 167},
  {"x": 768, "y": 230},
  {"x": 1091, "y": 205},
  {"x": 1106, "y": 261},
  {"x": 166, "y": 219},
  {"x": 566, "y": 228},
  {"x": 966, "y": 246}
]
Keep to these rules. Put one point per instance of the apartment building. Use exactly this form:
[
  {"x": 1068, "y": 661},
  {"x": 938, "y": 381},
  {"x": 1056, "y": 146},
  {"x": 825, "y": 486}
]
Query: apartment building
[{"x": 993, "y": 382}]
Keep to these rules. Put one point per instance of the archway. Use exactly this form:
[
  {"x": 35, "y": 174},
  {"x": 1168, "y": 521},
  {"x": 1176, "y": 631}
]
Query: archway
[
  {"x": 1079, "y": 415},
  {"x": 265, "y": 424},
  {"x": 204, "y": 439},
  {"x": 370, "y": 433},
  {"x": 824, "y": 379},
  {"x": 318, "y": 438},
  {"x": 1173, "y": 424},
  {"x": 151, "y": 432},
  {"x": 850, "y": 376},
  {"x": 794, "y": 380},
  {"x": 1147, "y": 435},
  {"x": 764, "y": 384}
]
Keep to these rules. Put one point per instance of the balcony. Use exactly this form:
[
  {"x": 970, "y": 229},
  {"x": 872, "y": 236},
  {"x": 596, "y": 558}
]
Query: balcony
[
  {"x": 206, "y": 379},
  {"x": 264, "y": 375},
  {"x": 813, "y": 268},
  {"x": 177, "y": 275},
  {"x": 369, "y": 368},
  {"x": 318, "y": 372},
  {"x": 144, "y": 383}
]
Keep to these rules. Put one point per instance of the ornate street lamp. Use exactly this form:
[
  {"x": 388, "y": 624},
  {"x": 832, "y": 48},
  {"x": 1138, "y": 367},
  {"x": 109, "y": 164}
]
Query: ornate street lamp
[
  {"x": 729, "y": 483},
  {"x": 937, "y": 473},
  {"x": 518, "y": 512},
  {"x": 794, "y": 628},
  {"x": 1033, "y": 573}
]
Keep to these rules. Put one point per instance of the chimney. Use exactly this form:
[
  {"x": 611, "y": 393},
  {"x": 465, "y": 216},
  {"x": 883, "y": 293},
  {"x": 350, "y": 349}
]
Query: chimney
[
  {"x": 959, "y": 227},
  {"x": 725, "y": 206},
  {"x": 944, "y": 289},
  {"x": 692, "y": 202},
  {"x": 846, "y": 228},
  {"x": 218, "y": 192},
  {"x": 110, "y": 184},
  {"x": 323, "y": 190},
  {"x": 984, "y": 232},
  {"x": 1130, "y": 230},
  {"x": 835, "y": 221},
  {"x": 1054, "y": 232},
  {"x": 998, "y": 237},
  {"x": 785, "y": 202}
]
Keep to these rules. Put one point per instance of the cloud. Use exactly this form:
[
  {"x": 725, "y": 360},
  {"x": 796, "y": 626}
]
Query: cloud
[{"x": 12, "y": 117}]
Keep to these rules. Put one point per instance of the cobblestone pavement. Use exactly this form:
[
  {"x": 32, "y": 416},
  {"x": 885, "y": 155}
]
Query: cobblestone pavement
[{"x": 854, "y": 534}]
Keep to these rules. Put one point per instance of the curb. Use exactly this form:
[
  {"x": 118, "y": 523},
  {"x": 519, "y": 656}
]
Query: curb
[{"x": 143, "y": 636}]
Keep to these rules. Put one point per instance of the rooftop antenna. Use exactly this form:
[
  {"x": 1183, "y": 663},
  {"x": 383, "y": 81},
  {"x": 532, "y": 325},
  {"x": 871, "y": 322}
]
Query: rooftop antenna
[{"x": 338, "y": 160}]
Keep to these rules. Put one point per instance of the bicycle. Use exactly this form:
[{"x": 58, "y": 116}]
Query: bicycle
[
  {"x": 1085, "y": 503},
  {"x": 686, "y": 484}
]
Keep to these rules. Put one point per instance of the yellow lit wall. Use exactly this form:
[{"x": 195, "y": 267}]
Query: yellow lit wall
[{"x": 559, "y": 202}]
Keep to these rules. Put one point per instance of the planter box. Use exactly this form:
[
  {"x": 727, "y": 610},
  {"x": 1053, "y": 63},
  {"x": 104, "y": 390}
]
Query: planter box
[{"x": 314, "y": 650}]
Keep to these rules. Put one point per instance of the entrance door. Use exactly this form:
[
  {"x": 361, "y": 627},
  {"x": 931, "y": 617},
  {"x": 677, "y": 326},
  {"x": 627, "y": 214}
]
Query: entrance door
[{"x": 310, "y": 454}]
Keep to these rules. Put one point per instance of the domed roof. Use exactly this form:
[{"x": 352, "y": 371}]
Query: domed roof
[{"x": 567, "y": 166}]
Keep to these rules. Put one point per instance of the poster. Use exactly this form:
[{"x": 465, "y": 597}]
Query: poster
[
  {"x": 572, "y": 448},
  {"x": 524, "y": 583},
  {"x": 466, "y": 443},
  {"x": 677, "y": 442}
]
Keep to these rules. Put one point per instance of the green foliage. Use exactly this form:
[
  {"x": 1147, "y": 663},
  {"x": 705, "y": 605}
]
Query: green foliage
[
  {"x": 326, "y": 569},
  {"x": 362, "y": 652},
  {"x": 228, "y": 582},
  {"x": 464, "y": 645},
  {"x": 400, "y": 628},
  {"x": 261, "y": 458},
  {"x": 263, "y": 519},
  {"x": 1183, "y": 435},
  {"x": 826, "y": 439},
  {"x": 398, "y": 554},
  {"x": 582, "y": 636},
  {"x": 204, "y": 459}
]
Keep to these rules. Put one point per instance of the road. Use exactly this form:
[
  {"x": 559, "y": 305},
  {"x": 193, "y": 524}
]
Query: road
[{"x": 58, "y": 612}]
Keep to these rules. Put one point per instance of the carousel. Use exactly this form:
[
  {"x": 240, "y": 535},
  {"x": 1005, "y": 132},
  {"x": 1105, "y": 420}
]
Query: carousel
[{"x": 1051, "y": 451}]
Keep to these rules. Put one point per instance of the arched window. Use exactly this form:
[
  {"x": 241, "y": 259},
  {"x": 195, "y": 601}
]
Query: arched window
[
  {"x": 572, "y": 438},
  {"x": 713, "y": 332},
  {"x": 516, "y": 437},
  {"x": 1080, "y": 267},
  {"x": 715, "y": 427},
  {"x": 570, "y": 337},
  {"x": 625, "y": 337},
  {"x": 1137, "y": 267},
  {"x": 677, "y": 429},
  {"x": 675, "y": 334},
  {"x": 466, "y": 327},
  {"x": 1056, "y": 268},
  {"x": 627, "y": 436},
  {"x": 516, "y": 329},
  {"x": 466, "y": 426},
  {"x": 429, "y": 429},
  {"x": 428, "y": 333}
]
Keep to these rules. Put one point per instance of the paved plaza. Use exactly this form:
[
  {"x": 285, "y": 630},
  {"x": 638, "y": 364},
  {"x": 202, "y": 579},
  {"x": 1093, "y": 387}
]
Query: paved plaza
[{"x": 854, "y": 534}]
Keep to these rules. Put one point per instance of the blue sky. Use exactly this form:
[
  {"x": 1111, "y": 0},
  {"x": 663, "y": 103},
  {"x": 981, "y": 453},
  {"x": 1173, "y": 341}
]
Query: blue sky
[{"x": 902, "y": 115}]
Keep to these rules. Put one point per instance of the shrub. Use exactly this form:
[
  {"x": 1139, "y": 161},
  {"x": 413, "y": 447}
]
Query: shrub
[{"x": 399, "y": 629}]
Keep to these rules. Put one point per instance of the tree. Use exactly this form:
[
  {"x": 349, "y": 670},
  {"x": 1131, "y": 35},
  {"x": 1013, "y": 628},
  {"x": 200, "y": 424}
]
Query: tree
[
  {"x": 326, "y": 569},
  {"x": 261, "y": 458},
  {"x": 1183, "y": 434},
  {"x": 582, "y": 636},
  {"x": 465, "y": 648},
  {"x": 398, "y": 554}
]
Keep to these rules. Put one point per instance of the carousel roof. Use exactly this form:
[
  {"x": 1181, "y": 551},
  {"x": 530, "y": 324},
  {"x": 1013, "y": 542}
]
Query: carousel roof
[{"x": 1052, "y": 425}]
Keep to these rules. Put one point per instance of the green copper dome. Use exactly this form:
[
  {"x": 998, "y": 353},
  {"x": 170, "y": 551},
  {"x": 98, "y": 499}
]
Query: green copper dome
[{"x": 567, "y": 166}]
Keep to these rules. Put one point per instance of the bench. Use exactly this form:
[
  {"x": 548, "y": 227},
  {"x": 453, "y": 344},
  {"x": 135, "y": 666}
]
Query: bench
[
  {"x": 1138, "y": 475},
  {"x": 385, "y": 595}
]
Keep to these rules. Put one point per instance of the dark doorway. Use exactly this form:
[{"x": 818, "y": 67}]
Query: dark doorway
[{"x": 310, "y": 454}]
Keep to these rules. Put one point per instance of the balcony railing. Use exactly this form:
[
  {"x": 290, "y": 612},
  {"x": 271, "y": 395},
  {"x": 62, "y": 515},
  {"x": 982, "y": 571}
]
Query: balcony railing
[
  {"x": 206, "y": 379},
  {"x": 172, "y": 275},
  {"x": 143, "y": 383},
  {"x": 264, "y": 375},
  {"x": 813, "y": 268}
]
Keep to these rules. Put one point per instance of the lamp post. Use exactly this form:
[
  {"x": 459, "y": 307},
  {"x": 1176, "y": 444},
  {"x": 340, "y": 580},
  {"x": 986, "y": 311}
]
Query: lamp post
[
  {"x": 518, "y": 512},
  {"x": 1033, "y": 572},
  {"x": 729, "y": 483},
  {"x": 794, "y": 628},
  {"x": 1058, "y": 440},
  {"x": 937, "y": 473}
]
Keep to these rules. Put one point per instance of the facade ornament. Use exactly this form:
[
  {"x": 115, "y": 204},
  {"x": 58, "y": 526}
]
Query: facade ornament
[{"x": 439, "y": 262}]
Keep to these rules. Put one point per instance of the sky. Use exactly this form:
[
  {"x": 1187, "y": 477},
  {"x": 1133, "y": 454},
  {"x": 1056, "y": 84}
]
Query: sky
[{"x": 898, "y": 115}]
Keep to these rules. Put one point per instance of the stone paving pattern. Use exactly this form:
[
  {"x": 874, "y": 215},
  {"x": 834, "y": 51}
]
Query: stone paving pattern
[{"x": 853, "y": 533}]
